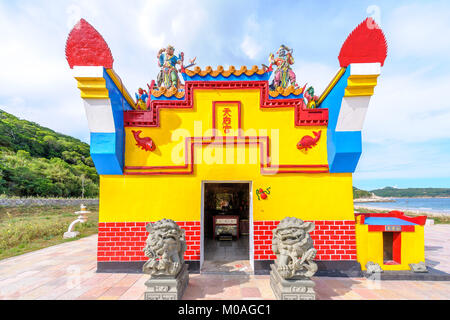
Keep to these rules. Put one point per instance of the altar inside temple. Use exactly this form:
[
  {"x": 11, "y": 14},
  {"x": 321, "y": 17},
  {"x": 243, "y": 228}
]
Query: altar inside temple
[{"x": 226, "y": 221}]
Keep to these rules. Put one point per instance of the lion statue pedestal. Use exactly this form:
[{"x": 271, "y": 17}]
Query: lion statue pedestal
[
  {"x": 291, "y": 274},
  {"x": 165, "y": 247}
]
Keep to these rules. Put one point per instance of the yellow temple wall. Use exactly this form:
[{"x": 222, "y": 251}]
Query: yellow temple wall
[
  {"x": 309, "y": 196},
  {"x": 176, "y": 124},
  {"x": 151, "y": 198}
]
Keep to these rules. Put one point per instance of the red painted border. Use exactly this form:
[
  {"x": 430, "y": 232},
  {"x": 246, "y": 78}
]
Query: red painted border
[
  {"x": 191, "y": 142},
  {"x": 303, "y": 116},
  {"x": 419, "y": 220},
  {"x": 262, "y": 142}
]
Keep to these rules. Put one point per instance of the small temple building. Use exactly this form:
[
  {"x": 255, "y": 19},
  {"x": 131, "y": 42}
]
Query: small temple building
[{"x": 228, "y": 152}]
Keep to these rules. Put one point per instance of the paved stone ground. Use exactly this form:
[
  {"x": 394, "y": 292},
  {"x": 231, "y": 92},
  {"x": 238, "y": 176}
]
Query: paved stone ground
[{"x": 68, "y": 271}]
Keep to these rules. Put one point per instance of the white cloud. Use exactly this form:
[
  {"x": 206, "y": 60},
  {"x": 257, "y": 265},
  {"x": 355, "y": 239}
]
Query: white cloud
[
  {"x": 251, "y": 44},
  {"x": 161, "y": 21},
  {"x": 250, "y": 47},
  {"x": 420, "y": 29},
  {"x": 317, "y": 75},
  {"x": 409, "y": 107}
]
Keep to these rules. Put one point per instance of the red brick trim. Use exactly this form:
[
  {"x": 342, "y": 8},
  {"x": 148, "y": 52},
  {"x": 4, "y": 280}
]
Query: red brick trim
[
  {"x": 333, "y": 239},
  {"x": 125, "y": 241}
]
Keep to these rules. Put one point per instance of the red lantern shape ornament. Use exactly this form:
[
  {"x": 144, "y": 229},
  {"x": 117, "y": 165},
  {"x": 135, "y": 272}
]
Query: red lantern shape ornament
[{"x": 145, "y": 143}]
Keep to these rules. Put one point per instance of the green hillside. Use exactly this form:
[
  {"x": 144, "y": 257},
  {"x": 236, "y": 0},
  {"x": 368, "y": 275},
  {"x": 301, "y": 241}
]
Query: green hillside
[
  {"x": 358, "y": 193},
  {"x": 412, "y": 192},
  {"x": 36, "y": 161}
]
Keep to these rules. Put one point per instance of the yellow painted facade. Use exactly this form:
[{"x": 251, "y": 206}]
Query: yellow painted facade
[
  {"x": 176, "y": 125},
  {"x": 309, "y": 196},
  {"x": 369, "y": 247},
  {"x": 151, "y": 198}
]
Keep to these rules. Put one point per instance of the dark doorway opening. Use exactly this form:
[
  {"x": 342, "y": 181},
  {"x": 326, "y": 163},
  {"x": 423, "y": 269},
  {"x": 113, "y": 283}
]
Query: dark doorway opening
[
  {"x": 226, "y": 227},
  {"x": 391, "y": 248},
  {"x": 387, "y": 246}
]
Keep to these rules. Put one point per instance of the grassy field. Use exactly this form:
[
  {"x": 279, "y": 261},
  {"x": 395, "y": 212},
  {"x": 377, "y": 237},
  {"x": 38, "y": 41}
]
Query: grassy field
[
  {"x": 437, "y": 219},
  {"x": 26, "y": 229}
]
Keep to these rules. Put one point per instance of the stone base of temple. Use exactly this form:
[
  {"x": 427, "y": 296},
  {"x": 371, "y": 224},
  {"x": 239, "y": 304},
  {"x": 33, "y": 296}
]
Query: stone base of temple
[
  {"x": 349, "y": 268},
  {"x": 166, "y": 288},
  {"x": 408, "y": 275},
  {"x": 295, "y": 289}
]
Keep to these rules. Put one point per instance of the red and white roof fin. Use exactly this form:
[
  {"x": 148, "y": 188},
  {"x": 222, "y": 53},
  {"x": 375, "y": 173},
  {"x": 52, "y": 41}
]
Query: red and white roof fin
[
  {"x": 86, "y": 47},
  {"x": 365, "y": 44}
]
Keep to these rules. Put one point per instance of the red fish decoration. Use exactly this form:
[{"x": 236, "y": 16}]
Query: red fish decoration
[
  {"x": 145, "y": 143},
  {"x": 307, "y": 142}
]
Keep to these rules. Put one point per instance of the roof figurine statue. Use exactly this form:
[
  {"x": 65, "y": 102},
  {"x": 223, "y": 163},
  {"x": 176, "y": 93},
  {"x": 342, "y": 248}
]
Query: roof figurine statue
[
  {"x": 310, "y": 98},
  {"x": 142, "y": 99},
  {"x": 168, "y": 61},
  {"x": 284, "y": 76}
]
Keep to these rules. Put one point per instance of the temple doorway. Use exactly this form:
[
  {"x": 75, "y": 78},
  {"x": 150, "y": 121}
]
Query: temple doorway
[{"x": 226, "y": 232}]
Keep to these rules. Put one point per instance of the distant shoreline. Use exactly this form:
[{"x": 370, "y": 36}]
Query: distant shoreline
[
  {"x": 392, "y": 199},
  {"x": 373, "y": 199},
  {"x": 407, "y": 211}
]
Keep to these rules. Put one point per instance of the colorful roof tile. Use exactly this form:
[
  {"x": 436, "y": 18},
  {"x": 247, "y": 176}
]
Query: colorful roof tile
[
  {"x": 286, "y": 91},
  {"x": 168, "y": 93}
]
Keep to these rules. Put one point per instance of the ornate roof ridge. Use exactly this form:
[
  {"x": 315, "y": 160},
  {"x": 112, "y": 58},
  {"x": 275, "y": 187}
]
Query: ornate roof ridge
[
  {"x": 85, "y": 46},
  {"x": 225, "y": 73},
  {"x": 365, "y": 44},
  {"x": 179, "y": 94},
  {"x": 168, "y": 93},
  {"x": 286, "y": 91}
]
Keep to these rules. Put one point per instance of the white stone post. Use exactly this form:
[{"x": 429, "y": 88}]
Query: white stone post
[{"x": 82, "y": 218}]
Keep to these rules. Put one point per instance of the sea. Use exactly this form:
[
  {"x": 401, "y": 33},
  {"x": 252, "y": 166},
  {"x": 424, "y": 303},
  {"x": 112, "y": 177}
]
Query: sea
[{"x": 438, "y": 205}]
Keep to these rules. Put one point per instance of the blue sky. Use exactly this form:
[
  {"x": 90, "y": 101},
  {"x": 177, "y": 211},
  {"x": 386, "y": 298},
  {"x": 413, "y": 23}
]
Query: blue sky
[{"x": 406, "y": 137}]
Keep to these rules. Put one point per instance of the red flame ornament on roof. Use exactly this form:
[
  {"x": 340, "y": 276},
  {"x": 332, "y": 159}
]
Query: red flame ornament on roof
[
  {"x": 86, "y": 47},
  {"x": 366, "y": 44}
]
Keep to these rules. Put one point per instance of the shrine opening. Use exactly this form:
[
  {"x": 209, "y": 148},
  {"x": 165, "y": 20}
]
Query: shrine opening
[{"x": 226, "y": 213}]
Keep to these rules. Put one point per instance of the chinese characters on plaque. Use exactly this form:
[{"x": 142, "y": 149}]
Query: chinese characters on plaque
[{"x": 227, "y": 118}]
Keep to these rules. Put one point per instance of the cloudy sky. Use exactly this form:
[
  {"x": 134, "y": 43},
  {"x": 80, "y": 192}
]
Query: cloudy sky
[{"x": 406, "y": 138}]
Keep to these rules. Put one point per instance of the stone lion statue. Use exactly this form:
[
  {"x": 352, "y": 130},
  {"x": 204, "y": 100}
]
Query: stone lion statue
[
  {"x": 294, "y": 249},
  {"x": 165, "y": 246}
]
